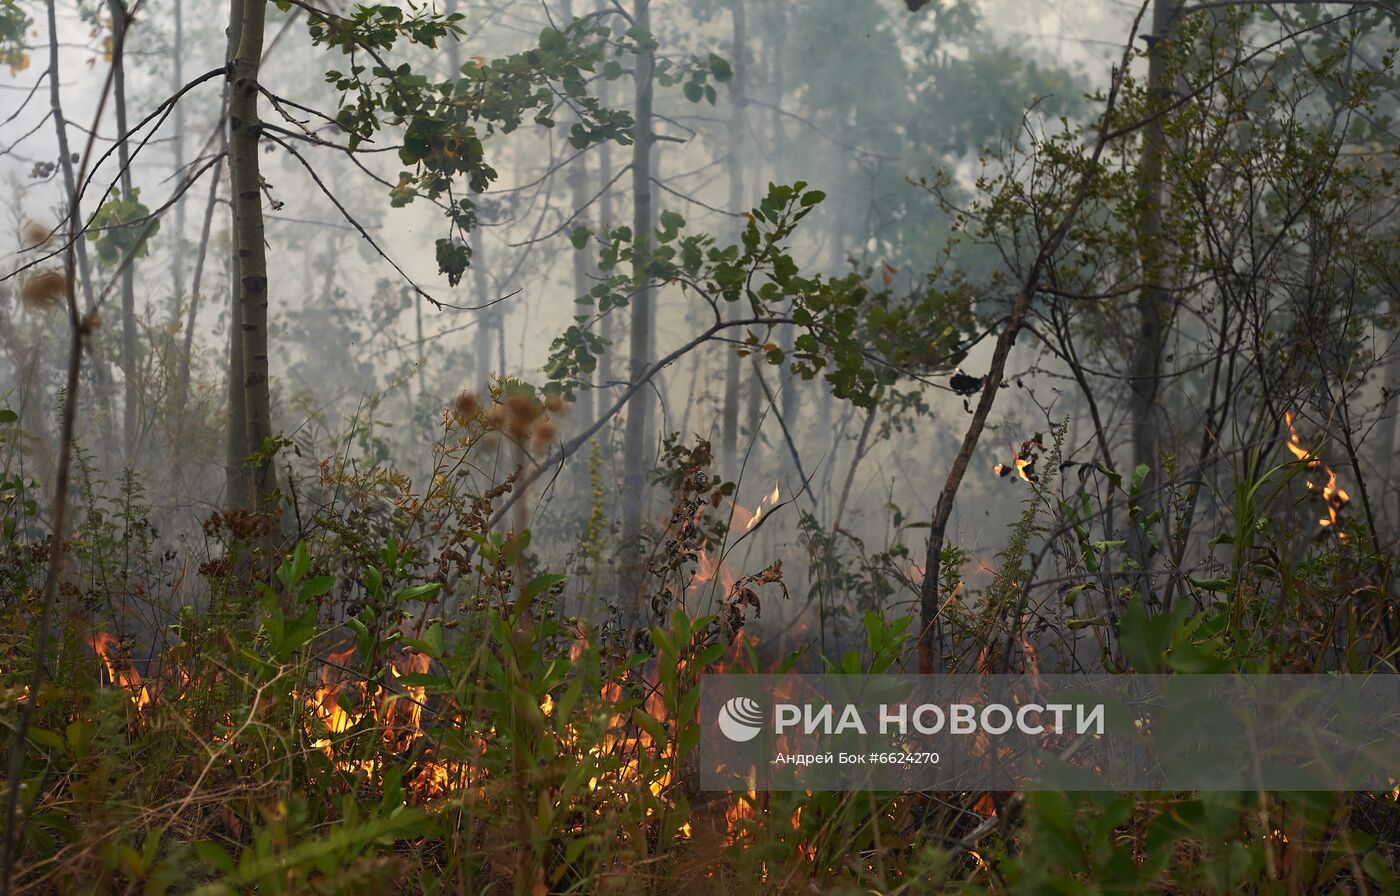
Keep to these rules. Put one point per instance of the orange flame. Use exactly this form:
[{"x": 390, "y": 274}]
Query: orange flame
[
  {"x": 397, "y": 714},
  {"x": 708, "y": 565},
  {"x": 1334, "y": 497},
  {"x": 767, "y": 504},
  {"x": 741, "y": 814},
  {"x": 343, "y": 709},
  {"x": 125, "y": 677}
]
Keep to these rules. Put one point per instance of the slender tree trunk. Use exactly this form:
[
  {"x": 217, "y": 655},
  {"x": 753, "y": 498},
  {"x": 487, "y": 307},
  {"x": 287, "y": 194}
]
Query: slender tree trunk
[
  {"x": 605, "y": 221},
  {"x": 79, "y": 330},
  {"x": 238, "y": 489},
  {"x": 489, "y": 327},
  {"x": 1153, "y": 310},
  {"x": 182, "y": 379},
  {"x": 578, "y": 194},
  {"x": 177, "y": 255},
  {"x": 74, "y": 235},
  {"x": 202, "y": 254},
  {"x": 117, "y": 9},
  {"x": 733, "y": 370},
  {"x": 499, "y": 324},
  {"x": 239, "y": 483},
  {"x": 635, "y": 447},
  {"x": 250, "y": 250},
  {"x": 1392, "y": 442},
  {"x": 824, "y": 399},
  {"x": 730, "y": 423},
  {"x": 787, "y": 333}
]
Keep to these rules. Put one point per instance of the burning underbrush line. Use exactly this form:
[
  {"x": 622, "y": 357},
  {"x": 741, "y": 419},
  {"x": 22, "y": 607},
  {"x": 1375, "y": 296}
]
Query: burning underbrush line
[
  {"x": 345, "y": 703},
  {"x": 628, "y": 765},
  {"x": 343, "y": 708},
  {"x": 366, "y": 726},
  {"x": 338, "y": 709},
  {"x": 1334, "y": 497}
]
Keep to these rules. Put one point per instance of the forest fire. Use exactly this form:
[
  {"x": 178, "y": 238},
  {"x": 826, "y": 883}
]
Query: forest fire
[
  {"x": 741, "y": 814},
  {"x": 338, "y": 706},
  {"x": 1023, "y": 460},
  {"x": 119, "y": 669},
  {"x": 708, "y": 565},
  {"x": 1334, "y": 498},
  {"x": 742, "y": 519},
  {"x": 342, "y": 706},
  {"x": 766, "y": 505}
]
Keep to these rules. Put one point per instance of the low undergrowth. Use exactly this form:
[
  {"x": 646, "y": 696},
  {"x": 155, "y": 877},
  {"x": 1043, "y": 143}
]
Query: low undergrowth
[{"x": 402, "y": 700}]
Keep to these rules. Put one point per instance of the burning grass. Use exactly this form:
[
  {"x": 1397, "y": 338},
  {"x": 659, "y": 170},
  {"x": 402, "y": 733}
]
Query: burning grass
[
  {"x": 346, "y": 730},
  {"x": 507, "y": 749}
]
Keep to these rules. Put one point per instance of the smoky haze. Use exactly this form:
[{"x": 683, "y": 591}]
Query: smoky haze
[{"x": 857, "y": 98}]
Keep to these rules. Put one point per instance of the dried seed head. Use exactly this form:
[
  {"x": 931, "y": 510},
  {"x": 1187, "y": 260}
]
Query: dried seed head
[
  {"x": 522, "y": 407},
  {"x": 43, "y": 289},
  {"x": 33, "y": 234},
  {"x": 544, "y": 431},
  {"x": 555, "y": 403},
  {"x": 466, "y": 406},
  {"x": 496, "y": 417}
]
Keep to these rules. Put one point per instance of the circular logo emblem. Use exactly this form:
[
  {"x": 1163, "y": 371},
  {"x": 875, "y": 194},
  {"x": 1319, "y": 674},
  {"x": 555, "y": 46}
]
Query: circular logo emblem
[{"x": 740, "y": 719}]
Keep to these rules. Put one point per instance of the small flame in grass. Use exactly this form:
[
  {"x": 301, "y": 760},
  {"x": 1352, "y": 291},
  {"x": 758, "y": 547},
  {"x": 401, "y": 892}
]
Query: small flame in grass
[
  {"x": 579, "y": 645},
  {"x": 397, "y": 716},
  {"x": 767, "y": 504},
  {"x": 336, "y": 705},
  {"x": 120, "y": 671},
  {"x": 741, "y": 519},
  {"x": 808, "y": 851},
  {"x": 1032, "y": 663},
  {"x": 741, "y": 814},
  {"x": 1334, "y": 497},
  {"x": 708, "y": 564}
]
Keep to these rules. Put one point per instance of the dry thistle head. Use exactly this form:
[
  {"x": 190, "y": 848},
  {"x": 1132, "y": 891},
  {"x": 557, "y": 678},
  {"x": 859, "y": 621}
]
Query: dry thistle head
[
  {"x": 544, "y": 431},
  {"x": 43, "y": 289},
  {"x": 33, "y": 235},
  {"x": 496, "y": 417},
  {"x": 522, "y": 408},
  {"x": 465, "y": 406},
  {"x": 554, "y": 403}
]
